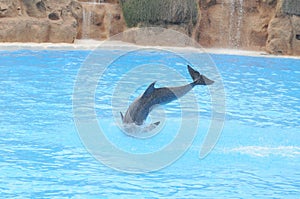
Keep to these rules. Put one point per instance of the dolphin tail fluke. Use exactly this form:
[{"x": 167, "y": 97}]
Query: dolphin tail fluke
[{"x": 198, "y": 78}]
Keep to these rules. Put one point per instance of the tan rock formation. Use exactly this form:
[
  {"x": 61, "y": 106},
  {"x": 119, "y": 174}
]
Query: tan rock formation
[
  {"x": 58, "y": 21},
  {"x": 35, "y": 8},
  {"x": 23, "y": 30},
  {"x": 235, "y": 24},
  {"x": 101, "y": 1},
  {"x": 101, "y": 21},
  {"x": 296, "y": 35},
  {"x": 271, "y": 25},
  {"x": 284, "y": 29},
  {"x": 39, "y": 21},
  {"x": 9, "y": 8},
  {"x": 280, "y": 36}
]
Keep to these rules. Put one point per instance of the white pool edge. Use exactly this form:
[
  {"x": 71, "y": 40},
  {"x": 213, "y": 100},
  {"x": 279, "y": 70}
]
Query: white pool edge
[{"x": 93, "y": 44}]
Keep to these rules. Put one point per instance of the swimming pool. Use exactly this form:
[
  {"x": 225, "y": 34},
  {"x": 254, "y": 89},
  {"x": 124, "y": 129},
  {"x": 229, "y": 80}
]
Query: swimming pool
[{"x": 42, "y": 156}]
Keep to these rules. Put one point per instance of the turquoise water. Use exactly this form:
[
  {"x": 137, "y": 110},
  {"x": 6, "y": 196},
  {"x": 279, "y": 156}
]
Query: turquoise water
[{"x": 42, "y": 156}]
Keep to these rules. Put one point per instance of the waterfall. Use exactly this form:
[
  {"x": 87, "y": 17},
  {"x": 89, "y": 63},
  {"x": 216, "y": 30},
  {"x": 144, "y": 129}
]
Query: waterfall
[
  {"x": 86, "y": 23},
  {"x": 88, "y": 16},
  {"x": 221, "y": 29},
  {"x": 239, "y": 22},
  {"x": 235, "y": 23}
]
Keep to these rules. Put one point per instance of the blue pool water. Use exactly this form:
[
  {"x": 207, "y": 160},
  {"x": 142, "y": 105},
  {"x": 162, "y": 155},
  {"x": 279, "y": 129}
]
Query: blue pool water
[{"x": 42, "y": 156}]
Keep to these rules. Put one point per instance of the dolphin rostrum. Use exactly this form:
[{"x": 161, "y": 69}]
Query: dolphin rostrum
[{"x": 138, "y": 111}]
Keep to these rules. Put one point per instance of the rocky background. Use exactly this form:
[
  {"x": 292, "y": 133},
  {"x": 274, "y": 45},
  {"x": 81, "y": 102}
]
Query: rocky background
[
  {"x": 58, "y": 21},
  {"x": 270, "y": 25},
  {"x": 39, "y": 21}
]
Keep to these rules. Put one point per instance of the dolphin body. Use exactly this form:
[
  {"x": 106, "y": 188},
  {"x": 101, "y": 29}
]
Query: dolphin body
[{"x": 138, "y": 111}]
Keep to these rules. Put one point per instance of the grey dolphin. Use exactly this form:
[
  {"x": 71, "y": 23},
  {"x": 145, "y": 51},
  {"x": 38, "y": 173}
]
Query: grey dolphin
[{"x": 141, "y": 107}]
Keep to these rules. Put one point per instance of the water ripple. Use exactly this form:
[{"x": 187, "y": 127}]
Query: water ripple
[{"x": 41, "y": 155}]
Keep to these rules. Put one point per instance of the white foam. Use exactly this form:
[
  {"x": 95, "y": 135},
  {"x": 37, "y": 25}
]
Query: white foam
[{"x": 263, "y": 151}]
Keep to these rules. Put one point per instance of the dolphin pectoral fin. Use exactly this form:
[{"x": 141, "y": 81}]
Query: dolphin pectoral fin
[
  {"x": 149, "y": 90},
  {"x": 139, "y": 131},
  {"x": 156, "y": 123},
  {"x": 151, "y": 126},
  {"x": 122, "y": 116}
]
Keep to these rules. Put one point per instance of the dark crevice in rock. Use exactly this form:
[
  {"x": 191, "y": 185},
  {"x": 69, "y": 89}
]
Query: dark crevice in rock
[
  {"x": 41, "y": 6},
  {"x": 53, "y": 16}
]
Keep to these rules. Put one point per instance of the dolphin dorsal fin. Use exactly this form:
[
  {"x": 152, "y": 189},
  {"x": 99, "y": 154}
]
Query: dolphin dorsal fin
[{"x": 149, "y": 90}]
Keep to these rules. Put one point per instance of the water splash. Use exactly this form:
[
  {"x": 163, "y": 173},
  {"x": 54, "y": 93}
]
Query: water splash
[{"x": 263, "y": 151}]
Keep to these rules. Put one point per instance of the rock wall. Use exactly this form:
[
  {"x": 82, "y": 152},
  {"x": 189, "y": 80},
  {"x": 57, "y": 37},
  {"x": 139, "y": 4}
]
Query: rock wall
[
  {"x": 100, "y": 20},
  {"x": 270, "y": 25},
  {"x": 234, "y": 23},
  {"x": 39, "y": 20},
  {"x": 284, "y": 29},
  {"x": 59, "y": 20}
]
